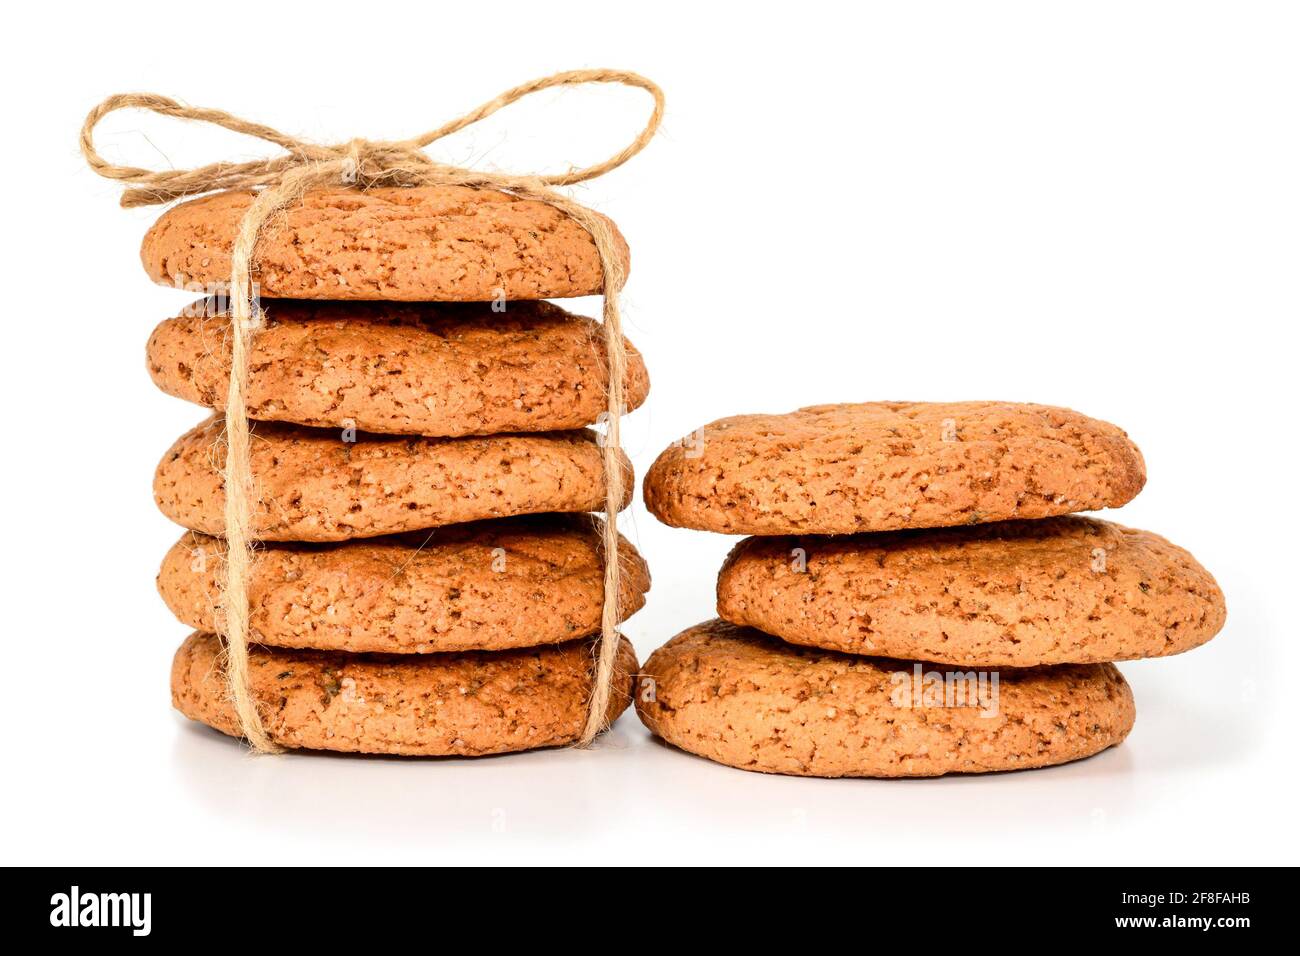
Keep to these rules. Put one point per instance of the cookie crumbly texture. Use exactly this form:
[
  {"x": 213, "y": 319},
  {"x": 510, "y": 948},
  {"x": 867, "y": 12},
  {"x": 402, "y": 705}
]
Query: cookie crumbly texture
[
  {"x": 409, "y": 369},
  {"x": 436, "y": 243},
  {"x": 748, "y": 700},
  {"x": 435, "y": 705},
  {"x": 492, "y": 585},
  {"x": 315, "y": 486},
  {"x": 1013, "y": 594},
  {"x": 881, "y": 466}
]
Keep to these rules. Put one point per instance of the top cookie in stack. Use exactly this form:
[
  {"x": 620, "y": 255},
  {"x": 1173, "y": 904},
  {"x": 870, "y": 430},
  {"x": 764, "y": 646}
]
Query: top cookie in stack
[
  {"x": 882, "y": 466},
  {"x": 927, "y": 532},
  {"x": 422, "y": 244},
  {"x": 404, "y": 380}
]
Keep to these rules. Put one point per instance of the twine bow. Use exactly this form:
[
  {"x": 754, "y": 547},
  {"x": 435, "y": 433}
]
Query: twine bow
[{"x": 279, "y": 182}]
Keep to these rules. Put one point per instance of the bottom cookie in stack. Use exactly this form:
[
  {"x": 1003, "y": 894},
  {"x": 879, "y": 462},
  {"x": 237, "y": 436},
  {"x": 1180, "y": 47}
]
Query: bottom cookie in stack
[
  {"x": 743, "y": 698},
  {"x": 468, "y": 704}
]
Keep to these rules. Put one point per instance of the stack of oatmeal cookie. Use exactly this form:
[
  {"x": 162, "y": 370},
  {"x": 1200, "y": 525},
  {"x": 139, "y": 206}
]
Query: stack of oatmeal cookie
[
  {"x": 428, "y": 580},
  {"x": 918, "y": 598}
]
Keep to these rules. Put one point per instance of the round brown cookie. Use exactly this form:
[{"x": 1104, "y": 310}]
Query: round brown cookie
[
  {"x": 879, "y": 466},
  {"x": 408, "y": 369},
  {"x": 740, "y": 697},
  {"x": 488, "y": 585},
  {"x": 437, "y": 243},
  {"x": 315, "y": 486},
  {"x": 462, "y": 705},
  {"x": 1068, "y": 590}
]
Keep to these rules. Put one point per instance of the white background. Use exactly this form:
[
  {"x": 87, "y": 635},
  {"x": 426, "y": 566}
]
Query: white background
[{"x": 1093, "y": 205}]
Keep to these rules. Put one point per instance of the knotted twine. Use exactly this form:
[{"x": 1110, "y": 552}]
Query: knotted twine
[{"x": 280, "y": 182}]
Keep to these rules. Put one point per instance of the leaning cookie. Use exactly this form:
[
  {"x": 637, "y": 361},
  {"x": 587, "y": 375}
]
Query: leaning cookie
[
  {"x": 411, "y": 369},
  {"x": 427, "y": 243},
  {"x": 315, "y": 485},
  {"x": 489, "y": 585},
  {"x": 748, "y": 700},
  {"x": 1067, "y": 590},
  {"x": 437, "y": 705},
  {"x": 881, "y": 466}
]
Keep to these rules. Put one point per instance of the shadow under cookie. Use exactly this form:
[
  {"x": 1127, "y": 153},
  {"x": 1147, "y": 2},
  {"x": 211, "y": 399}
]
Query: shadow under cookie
[{"x": 465, "y": 705}]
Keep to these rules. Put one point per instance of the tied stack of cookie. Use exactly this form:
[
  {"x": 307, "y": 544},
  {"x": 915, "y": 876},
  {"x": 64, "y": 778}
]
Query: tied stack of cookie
[
  {"x": 427, "y": 578},
  {"x": 918, "y": 597}
]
